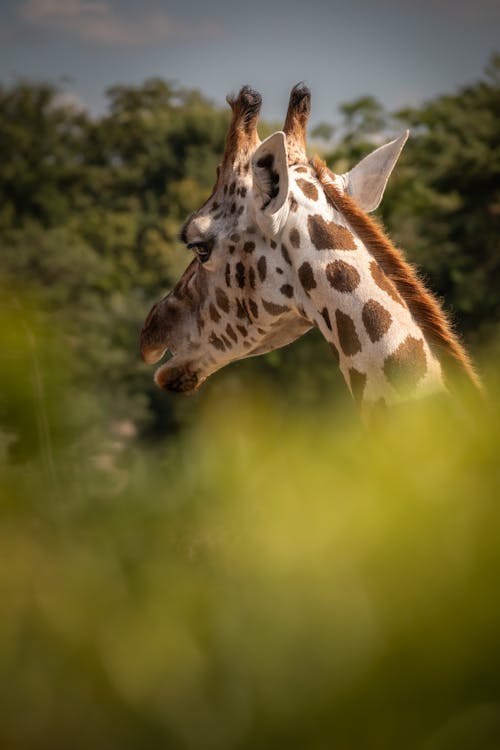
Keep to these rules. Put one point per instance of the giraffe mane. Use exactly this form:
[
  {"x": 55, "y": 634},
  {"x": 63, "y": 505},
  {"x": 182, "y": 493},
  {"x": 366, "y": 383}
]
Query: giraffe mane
[{"x": 422, "y": 304}]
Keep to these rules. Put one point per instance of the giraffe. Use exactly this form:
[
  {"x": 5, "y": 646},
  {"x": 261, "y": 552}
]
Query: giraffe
[{"x": 283, "y": 245}]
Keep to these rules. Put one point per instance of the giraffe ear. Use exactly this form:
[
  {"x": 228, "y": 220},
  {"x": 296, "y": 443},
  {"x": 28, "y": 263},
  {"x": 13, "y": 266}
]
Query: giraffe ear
[
  {"x": 270, "y": 174},
  {"x": 367, "y": 180}
]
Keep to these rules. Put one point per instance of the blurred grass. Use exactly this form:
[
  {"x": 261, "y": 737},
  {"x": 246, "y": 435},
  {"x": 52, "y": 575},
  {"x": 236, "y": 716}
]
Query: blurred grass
[{"x": 272, "y": 579}]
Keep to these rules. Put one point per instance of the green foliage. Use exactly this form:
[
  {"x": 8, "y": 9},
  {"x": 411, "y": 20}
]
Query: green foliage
[
  {"x": 90, "y": 209},
  {"x": 273, "y": 576},
  {"x": 276, "y": 579},
  {"x": 89, "y": 219},
  {"x": 449, "y": 211}
]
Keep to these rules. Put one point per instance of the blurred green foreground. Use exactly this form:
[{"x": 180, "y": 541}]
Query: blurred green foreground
[{"x": 273, "y": 579}]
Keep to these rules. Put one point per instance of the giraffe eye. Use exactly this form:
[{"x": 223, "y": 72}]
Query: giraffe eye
[{"x": 203, "y": 250}]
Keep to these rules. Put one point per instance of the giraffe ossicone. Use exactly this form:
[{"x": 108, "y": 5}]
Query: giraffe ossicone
[{"x": 283, "y": 245}]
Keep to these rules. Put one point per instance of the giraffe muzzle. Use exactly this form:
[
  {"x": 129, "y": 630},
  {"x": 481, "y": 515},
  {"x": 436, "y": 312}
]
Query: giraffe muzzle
[{"x": 154, "y": 336}]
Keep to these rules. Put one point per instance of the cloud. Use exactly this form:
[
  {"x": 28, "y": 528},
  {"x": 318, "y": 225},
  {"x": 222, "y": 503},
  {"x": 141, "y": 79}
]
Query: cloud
[
  {"x": 100, "y": 23},
  {"x": 69, "y": 100}
]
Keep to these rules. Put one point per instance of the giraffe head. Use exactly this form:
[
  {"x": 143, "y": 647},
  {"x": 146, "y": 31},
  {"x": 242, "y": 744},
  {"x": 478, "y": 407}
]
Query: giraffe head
[
  {"x": 239, "y": 296},
  {"x": 272, "y": 249}
]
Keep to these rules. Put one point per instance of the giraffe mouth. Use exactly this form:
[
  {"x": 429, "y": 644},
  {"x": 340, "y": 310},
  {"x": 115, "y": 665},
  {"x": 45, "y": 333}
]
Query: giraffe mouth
[
  {"x": 178, "y": 378},
  {"x": 170, "y": 376}
]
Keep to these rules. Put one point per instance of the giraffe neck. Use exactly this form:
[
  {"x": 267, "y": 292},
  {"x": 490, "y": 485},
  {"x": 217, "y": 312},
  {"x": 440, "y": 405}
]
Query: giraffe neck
[{"x": 381, "y": 350}]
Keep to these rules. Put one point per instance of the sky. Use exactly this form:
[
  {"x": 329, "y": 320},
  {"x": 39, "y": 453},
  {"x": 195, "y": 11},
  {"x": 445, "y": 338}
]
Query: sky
[{"x": 403, "y": 52}]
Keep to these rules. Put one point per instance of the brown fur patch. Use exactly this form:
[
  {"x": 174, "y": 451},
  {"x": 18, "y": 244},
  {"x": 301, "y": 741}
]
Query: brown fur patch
[
  {"x": 377, "y": 319},
  {"x": 327, "y": 235},
  {"x": 241, "y": 310},
  {"x": 249, "y": 247},
  {"x": 295, "y": 237},
  {"x": 262, "y": 267},
  {"x": 348, "y": 336},
  {"x": 285, "y": 254},
  {"x": 423, "y": 306},
  {"x": 254, "y": 309},
  {"x": 222, "y": 299},
  {"x": 302, "y": 170},
  {"x": 231, "y": 332},
  {"x": 407, "y": 365},
  {"x": 357, "y": 380},
  {"x": 214, "y": 313},
  {"x": 342, "y": 276},
  {"x": 240, "y": 274},
  {"x": 274, "y": 309},
  {"x": 242, "y": 330},
  {"x": 326, "y": 317},
  {"x": 384, "y": 283},
  {"x": 309, "y": 190},
  {"x": 287, "y": 290},
  {"x": 216, "y": 342},
  {"x": 251, "y": 277},
  {"x": 306, "y": 276},
  {"x": 227, "y": 275}
]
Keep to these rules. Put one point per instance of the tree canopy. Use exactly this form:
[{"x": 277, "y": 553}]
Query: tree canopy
[{"x": 90, "y": 208}]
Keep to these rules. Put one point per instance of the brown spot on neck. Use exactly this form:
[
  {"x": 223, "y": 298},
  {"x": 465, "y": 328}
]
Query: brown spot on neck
[
  {"x": 309, "y": 189},
  {"x": 306, "y": 276},
  {"x": 384, "y": 283},
  {"x": 377, "y": 320},
  {"x": 328, "y": 235},
  {"x": 294, "y": 238},
  {"x": 342, "y": 276},
  {"x": 285, "y": 254},
  {"x": 326, "y": 317},
  {"x": 348, "y": 337},
  {"x": 406, "y": 366},
  {"x": 262, "y": 267}
]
